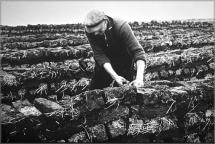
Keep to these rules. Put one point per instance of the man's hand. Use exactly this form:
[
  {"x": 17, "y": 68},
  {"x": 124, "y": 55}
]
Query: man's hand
[
  {"x": 121, "y": 80},
  {"x": 137, "y": 83}
]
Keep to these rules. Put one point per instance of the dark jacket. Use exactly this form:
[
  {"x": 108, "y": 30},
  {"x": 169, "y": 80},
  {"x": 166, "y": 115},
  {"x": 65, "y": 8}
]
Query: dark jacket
[{"x": 120, "y": 47}]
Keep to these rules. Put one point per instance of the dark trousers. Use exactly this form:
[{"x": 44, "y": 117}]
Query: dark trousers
[{"x": 102, "y": 79}]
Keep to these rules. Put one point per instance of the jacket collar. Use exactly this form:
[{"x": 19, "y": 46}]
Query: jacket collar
[{"x": 110, "y": 23}]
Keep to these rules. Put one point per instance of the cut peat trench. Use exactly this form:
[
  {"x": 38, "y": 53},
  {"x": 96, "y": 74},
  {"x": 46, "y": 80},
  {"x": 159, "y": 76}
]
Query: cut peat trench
[{"x": 46, "y": 75}]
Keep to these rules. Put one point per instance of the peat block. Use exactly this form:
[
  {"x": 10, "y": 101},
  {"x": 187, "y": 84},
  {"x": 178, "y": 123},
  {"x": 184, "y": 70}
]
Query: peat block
[
  {"x": 117, "y": 128},
  {"x": 46, "y": 106}
]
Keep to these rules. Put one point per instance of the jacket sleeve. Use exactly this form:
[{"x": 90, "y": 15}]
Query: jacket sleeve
[
  {"x": 133, "y": 46},
  {"x": 99, "y": 54}
]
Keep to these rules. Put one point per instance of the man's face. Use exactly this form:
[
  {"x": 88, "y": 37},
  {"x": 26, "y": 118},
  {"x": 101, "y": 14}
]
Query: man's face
[{"x": 99, "y": 29}]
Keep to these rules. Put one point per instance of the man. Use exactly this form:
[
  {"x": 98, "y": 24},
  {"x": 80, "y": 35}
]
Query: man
[{"x": 115, "y": 51}]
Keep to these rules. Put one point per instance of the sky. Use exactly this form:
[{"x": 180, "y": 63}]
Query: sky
[{"x": 22, "y": 12}]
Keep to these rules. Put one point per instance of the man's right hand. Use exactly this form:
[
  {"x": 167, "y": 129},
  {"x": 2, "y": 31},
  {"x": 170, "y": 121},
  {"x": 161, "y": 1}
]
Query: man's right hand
[{"x": 121, "y": 80}]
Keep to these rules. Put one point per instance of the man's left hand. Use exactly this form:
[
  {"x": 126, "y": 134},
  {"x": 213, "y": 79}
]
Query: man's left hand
[{"x": 137, "y": 83}]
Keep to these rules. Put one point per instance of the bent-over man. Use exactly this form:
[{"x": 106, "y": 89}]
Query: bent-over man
[{"x": 116, "y": 50}]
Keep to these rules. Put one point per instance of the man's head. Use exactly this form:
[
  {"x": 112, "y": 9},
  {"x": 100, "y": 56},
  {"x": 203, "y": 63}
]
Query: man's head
[{"x": 96, "y": 22}]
